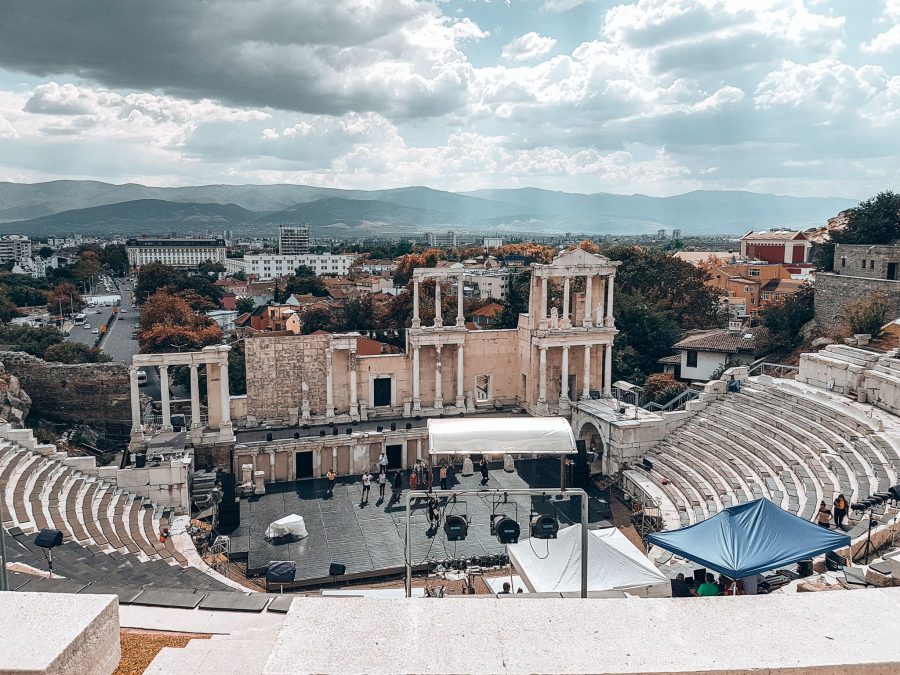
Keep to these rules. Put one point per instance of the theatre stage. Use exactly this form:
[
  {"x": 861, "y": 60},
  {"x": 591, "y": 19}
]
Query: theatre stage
[{"x": 369, "y": 539}]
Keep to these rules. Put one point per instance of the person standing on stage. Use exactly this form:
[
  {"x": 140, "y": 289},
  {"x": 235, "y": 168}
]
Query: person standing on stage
[
  {"x": 434, "y": 515},
  {"x": 366, "y": 485},
  {"x": 823, "y": 517},
  {"x": 443, "y": 476},
  {"x": 398, "y": 484},
  {"x": 414, "y": 479},
  {"x": 483, "y": 466},
  {"x": 382, "y": 482},
  {"x": 840, "y": 510},
  {"x": 331, "y": 476}
]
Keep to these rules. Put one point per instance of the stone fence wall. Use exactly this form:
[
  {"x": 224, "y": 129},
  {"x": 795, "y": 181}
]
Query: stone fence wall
[
  {"x": 836, "y": 292},
  {"x": 89, "y": 393}
]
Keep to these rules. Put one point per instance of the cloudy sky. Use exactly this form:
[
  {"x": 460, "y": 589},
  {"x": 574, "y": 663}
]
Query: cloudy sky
[{"x": 655, "y": 96}]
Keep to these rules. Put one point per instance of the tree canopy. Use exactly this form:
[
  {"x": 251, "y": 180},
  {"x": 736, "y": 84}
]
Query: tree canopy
[
  {"x": 874, "y": 221},
  {"x": 168, "y": 323},
  {"x": 784, "y": 319}
]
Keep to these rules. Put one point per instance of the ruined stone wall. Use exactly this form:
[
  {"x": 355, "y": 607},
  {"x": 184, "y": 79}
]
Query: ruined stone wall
[
  {"x": 860, "y": 260},
  {"x": 88, "y": 393},
  {"x": 835, "y": 292},
  {"x": 277, "y": 368}
]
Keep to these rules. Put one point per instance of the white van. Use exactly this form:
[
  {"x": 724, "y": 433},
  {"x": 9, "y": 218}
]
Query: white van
[{"x": 142, "y": 377}]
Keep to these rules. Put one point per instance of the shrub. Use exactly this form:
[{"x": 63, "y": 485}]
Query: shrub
[
  {"x": 662, "y": 388},
  {"x": 868, "y": 315}
]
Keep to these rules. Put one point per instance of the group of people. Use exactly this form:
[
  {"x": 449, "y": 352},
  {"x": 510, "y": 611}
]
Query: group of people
[
  {"x": 839, "y": 512},
  {"x": 724, "y": 586}
]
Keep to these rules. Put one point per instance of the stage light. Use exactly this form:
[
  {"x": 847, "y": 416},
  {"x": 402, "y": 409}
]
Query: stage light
[
  {"x": 48, "y": 540},
  {"x": 505, "y": 529},
  {"x": 456, "y": 528},
  {"x": 544, "y": 526},
  {"x": 895, "y": 491}
]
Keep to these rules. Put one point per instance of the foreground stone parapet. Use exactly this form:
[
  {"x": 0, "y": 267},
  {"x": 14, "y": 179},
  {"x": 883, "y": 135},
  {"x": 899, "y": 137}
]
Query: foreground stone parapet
[
  {"x": 59, "y": 633},
  {"x": 797, "y": 633}
]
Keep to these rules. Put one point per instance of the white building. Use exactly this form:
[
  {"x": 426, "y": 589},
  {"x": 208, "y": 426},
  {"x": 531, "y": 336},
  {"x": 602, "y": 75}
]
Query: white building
[
  {"x": 448, "y": 239},
  {"x": 706, "y": 352},
  {"x": 174, "y": 252},
  {"x": 14, "y": 247},
  {"x": 493, "y": 242},
  {"x": 488, "y": 284},
  {"x": 271, "y": 265},
  {"x": 293, "y": 239}
]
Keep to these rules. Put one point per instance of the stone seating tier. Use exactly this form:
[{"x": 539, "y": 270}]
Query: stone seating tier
[{"x": 774, "y": 442}]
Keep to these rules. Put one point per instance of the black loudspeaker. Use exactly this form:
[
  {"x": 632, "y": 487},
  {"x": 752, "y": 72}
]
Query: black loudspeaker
[
  {"x": 408, "y": 426},
  {"x": 321, "y": 432},
  {"x": 281, "y": 571},
  {"x": 699, "y": 576},
  {"x": 379, "y": 429},
  {"x": 336, "y": 569},
  {"x": 393, "y": 426},
  {"x": 349, "y": 430},
  {"x": 805, "y": 568},
  {"x": 268, "y": 437},
  {"x": 334, "y": 432},
  {"x": 296, "y": 434},
  {"x": 834, "y": 562},
  {"x": 48, "y": 538},
  {"x": 895, "y": 491},
  {"x": 647, "y": 464}
]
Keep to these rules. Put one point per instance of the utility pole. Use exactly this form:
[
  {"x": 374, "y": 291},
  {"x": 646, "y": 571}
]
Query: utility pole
[{"x": 4, "y": 581}]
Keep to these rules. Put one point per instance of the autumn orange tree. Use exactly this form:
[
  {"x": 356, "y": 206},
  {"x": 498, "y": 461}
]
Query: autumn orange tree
[
  {"x": 168, "y": 323},
  {"x": 64, "y": 296},
  {"x": 532, "y": 252}
]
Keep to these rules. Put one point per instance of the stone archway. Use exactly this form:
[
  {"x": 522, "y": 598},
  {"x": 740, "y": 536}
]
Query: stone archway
[{"x": 593, "y": 441}]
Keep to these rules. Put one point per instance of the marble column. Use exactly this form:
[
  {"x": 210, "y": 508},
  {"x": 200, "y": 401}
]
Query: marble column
[
  {"x": 564, "y": 375},
  {"x": 460, "y": 314},
  {"x": 416, "y": 321},
  {"x": 610, "y": 321},
  {"x": 438, "y": 384},
  {"x": 586, "y": 389},
  {"x": 607, "y": 370},
  {"x": 460, "y": 378},
  {"x": 438, "y": 317},
  {"x": 135, "y": 400},
  {"x": 272, "y": 465},
  {"x": 354, "y": 400},
  {"x": 164, "y": 398},
  {"x": 195, "y": 397},
  {"x": 419, "y": 454},
  {"x": 226, "y": 394},
  {"x": 542, "y": 380},
  {"x": 588, "y": 319},
  {"x": 566, "y": 322},
  {"x": 600, "y": 310},
  {"x": 329, "y": 382},
  {"x": 542, "y": 319},
  {"x": 417, "y": 401}
]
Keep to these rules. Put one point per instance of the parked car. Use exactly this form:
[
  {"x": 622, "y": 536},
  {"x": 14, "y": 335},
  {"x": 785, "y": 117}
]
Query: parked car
[{"x": 96, "y": 331}]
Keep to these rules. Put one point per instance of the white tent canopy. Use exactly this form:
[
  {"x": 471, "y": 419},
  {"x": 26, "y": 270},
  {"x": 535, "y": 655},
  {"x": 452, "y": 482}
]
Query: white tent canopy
[
  {"x": 291, "y": 524},
  {"x": 501, "y": 435},
  {"x": 614, "y": 564}
]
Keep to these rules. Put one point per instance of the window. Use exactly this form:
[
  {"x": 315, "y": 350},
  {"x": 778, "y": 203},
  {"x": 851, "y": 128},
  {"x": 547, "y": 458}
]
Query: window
[
  {"x": 872, "y": 264},
  {"x": 766, "y": 296},
  {"x": 863, "y": 265},
  {"x": 754, "y": 272},
  {"x": 482, "y": 387},
  {"x": 843, "y": 261},
  {"x": 691, "y": 358}
]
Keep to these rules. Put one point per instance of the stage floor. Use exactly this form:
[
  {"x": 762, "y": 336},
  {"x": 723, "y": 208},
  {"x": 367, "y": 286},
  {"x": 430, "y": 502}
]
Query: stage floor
[{"x": 369, "y": 538}]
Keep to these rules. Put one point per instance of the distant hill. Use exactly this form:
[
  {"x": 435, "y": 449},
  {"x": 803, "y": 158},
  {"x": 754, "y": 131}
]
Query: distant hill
[
  {"x": 92, "y": 207},
  {"x": 151, "y": 216}
]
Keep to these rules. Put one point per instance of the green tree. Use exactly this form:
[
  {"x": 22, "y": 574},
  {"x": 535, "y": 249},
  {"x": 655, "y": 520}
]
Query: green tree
[
  {"x": 28, "y": 339},
  {"x": 244, "y": 305},
  {"x": 237, "y": 370},
  {"x": 304, "y": 271},
  {"x": 154, "y": 277},
  {"x": 211, "y": 270},
  {"x": 45, "y": 252},
  {"x": 516, "y": 300},
  {"x": 320, "y": 318},
  {"x": 240, "y": 275},
  {"x": 8, "y": 309},
  {"x": 784, "y": 319},
  {"x": 874, "y": 221},
  {"x": 115, "y": 257},
  {"x": 74, "y": 352},
  {"x": 646, "y": 334}
]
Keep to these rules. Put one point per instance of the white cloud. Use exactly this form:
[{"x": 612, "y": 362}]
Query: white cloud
[
  {"x": 7, "y": 130},
  {"x": 527, "y": 47},
  {"x": 562, "y": 5}
]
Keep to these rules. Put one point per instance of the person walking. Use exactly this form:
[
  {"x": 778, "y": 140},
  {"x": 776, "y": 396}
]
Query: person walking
[
  {"x": 443, "y": 476},
  {"x": 331, "y": 476},
  {"x": 840, "y": 510},
  {"x": 824, "y": 515},
  {"x": 382, "y": 482},
  {"x": 483, "y": 466},
  {"x": 398, "y": 484},
  {"x": 414, "y": 479},
  {"x": 366, "y": 485}
]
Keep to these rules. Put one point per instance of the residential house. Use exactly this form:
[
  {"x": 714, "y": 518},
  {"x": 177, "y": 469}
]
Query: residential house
[
  {"x": 486, "y": 317},
  {"x": 703, "y": 353},
  {"x": 776, "y": 246}
]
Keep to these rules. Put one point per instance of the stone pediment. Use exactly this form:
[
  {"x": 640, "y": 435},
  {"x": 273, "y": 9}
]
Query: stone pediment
[{"x": 580, "y": 258}]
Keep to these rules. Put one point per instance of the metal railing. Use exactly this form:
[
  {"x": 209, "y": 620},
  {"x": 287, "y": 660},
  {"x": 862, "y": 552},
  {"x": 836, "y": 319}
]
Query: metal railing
[
  {"x": 781, "y": 370},
  {"x": 675, "y": 404}
]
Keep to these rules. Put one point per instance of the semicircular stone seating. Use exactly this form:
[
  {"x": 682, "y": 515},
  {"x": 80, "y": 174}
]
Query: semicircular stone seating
[
  {"x": 775, "y": 441},
  {"x": 43, "y": 490}
]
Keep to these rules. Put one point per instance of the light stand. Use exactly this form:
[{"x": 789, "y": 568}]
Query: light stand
[
  {"x": 48, "y": 540},
  {"x": 4, "y": 581}
]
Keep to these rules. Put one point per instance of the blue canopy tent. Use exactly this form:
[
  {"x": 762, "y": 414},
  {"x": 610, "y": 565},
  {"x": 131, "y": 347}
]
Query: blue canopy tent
[{"x": 750, "y": 538}]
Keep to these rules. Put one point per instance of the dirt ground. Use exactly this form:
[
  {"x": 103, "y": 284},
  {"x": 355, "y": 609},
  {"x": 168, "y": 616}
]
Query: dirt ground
[{"x": 140, "y": 647}]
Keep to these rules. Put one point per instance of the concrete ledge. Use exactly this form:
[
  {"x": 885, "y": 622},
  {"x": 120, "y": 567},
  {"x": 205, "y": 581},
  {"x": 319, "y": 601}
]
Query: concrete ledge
[
  {"x": 780, "y": 633},
  {"x": 59, "y": 633}
]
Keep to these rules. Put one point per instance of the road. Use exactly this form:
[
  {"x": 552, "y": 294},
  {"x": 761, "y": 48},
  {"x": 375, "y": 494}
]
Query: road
[
  {"x": 118, "y": 343},
  {"x": 95, "y": 317}
]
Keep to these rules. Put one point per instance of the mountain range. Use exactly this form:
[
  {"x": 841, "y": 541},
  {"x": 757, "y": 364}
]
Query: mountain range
[{"x": 96, "y": 208}]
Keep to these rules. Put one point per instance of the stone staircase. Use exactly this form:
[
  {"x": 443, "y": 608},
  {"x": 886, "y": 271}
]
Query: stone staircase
[
  {"x": 774, "y": 441},
  {"x": 244, "y": 651}
]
